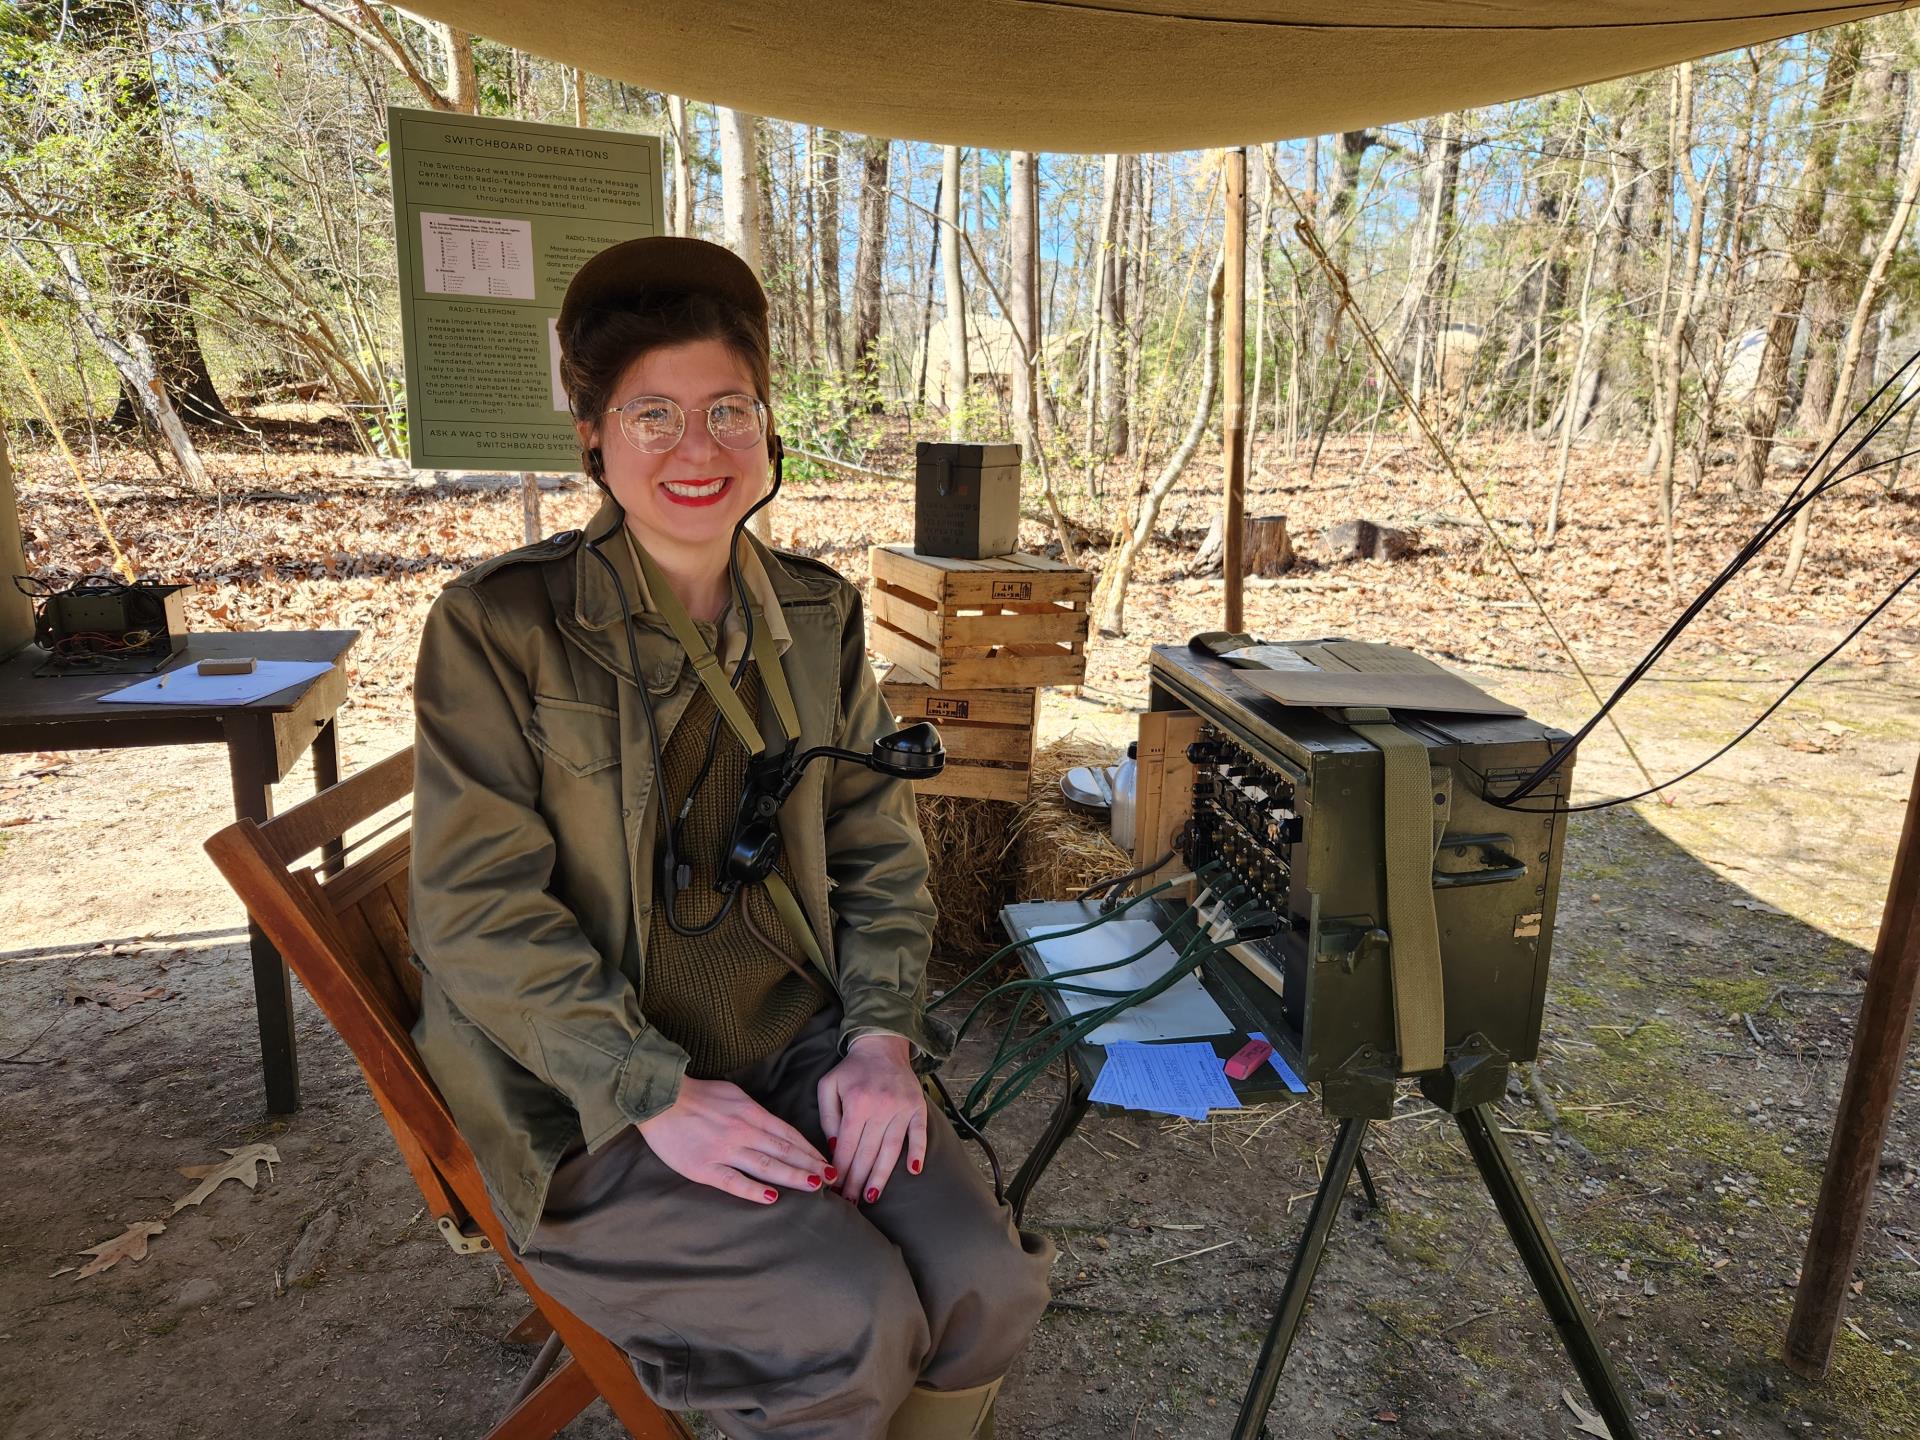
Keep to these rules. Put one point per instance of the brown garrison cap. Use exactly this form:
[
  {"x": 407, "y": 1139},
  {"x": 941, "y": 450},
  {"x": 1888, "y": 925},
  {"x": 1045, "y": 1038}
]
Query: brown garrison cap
[{"x": 660, "y": 264}]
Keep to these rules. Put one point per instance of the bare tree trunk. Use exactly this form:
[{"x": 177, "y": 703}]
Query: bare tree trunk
[
  {"x": 1631, "y": 174},
  {"x": 871, "y": 257},
  {"x": 579, "y": 78},
  {"x": 1677, "y": 334},
  {"x": 1870, "y": 295},
  {"x": 130, "y": 358},
  {"x": 1023, "y": 294},
  {"x": 1729, "y": 260},
  {"x": 161, "y": 309},
  {"x": 826, "y": 230},
  {"x": 1571, "y": 406},
  {"x": 682, "y": 165},
  {"x": 1770, "y": 390},
  {"x": 934, "y": 247},
  {"x": 1113, "y": 307},
  {"x": 953, "y": 282},
  {"x": 742, "y": 225},
  {"x": 1260, "y": 277},
  {"x": 463, "y": 82},
  {"x": 1139, "y": 236},
  {"x": 1110, "y": 605},
  {"x": 1436, "y": 260},
  {"x": 1869, "y": 154}
]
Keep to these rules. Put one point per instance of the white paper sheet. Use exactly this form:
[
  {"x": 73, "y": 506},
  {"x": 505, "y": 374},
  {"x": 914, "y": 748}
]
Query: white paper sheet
[
  {"x": 1182, "y": 1011},
  {"x": 476, "y": 255},
  {"x": 187, "y": 686}
]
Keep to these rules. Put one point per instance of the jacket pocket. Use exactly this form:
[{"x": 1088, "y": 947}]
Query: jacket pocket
[{"x": 582, "y": 739}]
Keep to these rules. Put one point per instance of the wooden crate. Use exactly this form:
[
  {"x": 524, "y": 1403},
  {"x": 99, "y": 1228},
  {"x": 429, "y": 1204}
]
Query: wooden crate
[
  {"x": 988, "y": 735},
  {"x": 1013, "y": 622}
]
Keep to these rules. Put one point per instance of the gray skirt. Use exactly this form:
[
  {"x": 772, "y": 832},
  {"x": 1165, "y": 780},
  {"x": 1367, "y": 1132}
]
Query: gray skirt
[{"x": 809, "y": 1317}]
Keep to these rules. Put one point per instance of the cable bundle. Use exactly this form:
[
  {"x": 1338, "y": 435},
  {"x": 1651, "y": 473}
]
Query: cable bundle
[{"x": 992, "y": 1092}]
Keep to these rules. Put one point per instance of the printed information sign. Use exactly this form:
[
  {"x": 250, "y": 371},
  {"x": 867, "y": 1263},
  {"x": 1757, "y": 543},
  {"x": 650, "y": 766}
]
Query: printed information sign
[{"x": 493, "y": 218}]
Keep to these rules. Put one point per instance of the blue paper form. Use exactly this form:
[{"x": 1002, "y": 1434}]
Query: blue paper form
[
  {"x": 1168, "y": 1079},
  {"x": 1284, "y": 1070}
]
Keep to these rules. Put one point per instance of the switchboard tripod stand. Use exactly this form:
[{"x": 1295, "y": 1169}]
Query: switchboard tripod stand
[
  {"x": 1473, "y": 1077},
  {"x": 1525, "y": 1224}
]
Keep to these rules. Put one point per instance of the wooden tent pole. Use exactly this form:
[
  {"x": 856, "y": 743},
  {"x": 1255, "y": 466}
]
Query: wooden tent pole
[
  {"x": 1233, "y": 524},
  {"x": 1880, "y": 1037}
]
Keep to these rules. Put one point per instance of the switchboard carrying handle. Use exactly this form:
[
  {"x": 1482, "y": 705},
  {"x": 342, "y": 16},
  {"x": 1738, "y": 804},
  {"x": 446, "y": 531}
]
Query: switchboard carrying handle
[{"x": 1500, "y": 850}]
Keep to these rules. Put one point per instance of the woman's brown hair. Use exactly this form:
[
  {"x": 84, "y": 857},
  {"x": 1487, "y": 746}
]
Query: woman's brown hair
[{"x": 605, "y": 343}]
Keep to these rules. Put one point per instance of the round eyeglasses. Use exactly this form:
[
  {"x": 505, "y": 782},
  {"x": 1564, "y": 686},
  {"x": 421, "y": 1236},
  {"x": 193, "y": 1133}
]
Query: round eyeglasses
[{"x": 655, "y": 424}]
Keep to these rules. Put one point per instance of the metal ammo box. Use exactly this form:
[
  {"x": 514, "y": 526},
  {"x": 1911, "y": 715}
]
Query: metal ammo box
[
  {"x": 1291, "y": 801},
  {"x": 966, "y": 500}
]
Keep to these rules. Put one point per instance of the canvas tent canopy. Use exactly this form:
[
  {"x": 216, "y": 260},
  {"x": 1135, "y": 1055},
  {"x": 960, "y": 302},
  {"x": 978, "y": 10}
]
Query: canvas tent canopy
[{"x": 1124, "y": 75}]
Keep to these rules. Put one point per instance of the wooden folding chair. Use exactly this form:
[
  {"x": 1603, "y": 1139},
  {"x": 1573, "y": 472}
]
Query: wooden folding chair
[{"x": 342, "y": 926}]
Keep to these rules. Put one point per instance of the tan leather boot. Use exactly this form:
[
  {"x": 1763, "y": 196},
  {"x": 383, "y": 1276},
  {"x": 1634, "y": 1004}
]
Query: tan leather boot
[{"x": 946, "y": 1414}]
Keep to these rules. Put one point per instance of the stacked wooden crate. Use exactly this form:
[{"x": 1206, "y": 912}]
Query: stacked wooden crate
[{"x": 972, "y": 642}]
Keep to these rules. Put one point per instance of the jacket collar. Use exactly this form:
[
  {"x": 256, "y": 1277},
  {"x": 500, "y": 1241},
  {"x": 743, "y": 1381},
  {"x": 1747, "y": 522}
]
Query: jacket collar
[{"x": 597, "y": 609}]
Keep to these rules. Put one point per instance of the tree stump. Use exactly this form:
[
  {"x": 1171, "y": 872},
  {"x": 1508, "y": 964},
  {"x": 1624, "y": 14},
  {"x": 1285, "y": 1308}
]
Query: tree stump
[{"x": 1269, "y": 550}]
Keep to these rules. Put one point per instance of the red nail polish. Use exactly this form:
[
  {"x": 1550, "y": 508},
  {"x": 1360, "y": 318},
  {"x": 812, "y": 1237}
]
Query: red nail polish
[
  {"x": 872, "y": 1195},
  {"x": 914, "y": 1166},
  {"x": 831, "y": 1142},
  {"x": 832, "y": 1174},
  {"x": 773, "y": 1194},
  {"x": 813, "y": 1182}
]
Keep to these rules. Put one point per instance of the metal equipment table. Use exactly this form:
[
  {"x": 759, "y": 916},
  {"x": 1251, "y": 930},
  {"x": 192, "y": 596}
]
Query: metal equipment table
[
  {"x": 263, "y": 738},
  {"x": 1022, "y": 923}
]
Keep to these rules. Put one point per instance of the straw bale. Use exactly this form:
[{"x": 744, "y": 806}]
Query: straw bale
[
  {"x": 1057, "y": 850},
  {"x": 970, "y": 846}
]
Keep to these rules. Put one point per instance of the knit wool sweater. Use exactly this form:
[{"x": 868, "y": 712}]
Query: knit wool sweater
[{"x": 731, "y": 997}]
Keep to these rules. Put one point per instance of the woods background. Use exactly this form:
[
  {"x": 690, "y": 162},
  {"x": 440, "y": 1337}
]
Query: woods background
[{"x": 1705, "y": 261}]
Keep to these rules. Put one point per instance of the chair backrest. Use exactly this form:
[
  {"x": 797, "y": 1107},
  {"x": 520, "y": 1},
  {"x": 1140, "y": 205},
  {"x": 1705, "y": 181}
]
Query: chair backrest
[{"x": 341, "y": 925}]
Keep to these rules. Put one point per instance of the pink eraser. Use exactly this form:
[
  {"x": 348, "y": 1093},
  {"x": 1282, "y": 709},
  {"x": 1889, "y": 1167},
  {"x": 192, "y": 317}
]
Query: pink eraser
[{"x": 1248, "y": 1059}]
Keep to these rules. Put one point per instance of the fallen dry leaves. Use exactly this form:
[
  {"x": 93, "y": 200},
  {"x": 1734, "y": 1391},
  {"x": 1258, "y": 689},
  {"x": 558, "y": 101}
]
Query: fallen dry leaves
[
  {"x": 117, "y": 997},
  {"x": 242, "y": 1164},
  {"x": 130, "y": 1244},
  {"x": 244, "y": 1167}
]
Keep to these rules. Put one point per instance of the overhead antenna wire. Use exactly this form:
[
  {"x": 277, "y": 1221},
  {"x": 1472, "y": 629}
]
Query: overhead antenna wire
[
  {"x": 1796, "y": 501},
  {"x": 1304, "y": 228}
]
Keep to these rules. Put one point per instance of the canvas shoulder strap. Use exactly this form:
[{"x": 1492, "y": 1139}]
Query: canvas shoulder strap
[{"x": 1419, "y": 992}]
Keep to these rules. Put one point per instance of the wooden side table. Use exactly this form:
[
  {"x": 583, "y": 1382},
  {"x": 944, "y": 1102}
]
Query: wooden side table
[{"x": 263, "y": 738}]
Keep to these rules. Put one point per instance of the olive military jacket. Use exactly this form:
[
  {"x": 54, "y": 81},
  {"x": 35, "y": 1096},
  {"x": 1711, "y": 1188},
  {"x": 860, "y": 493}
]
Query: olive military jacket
[{"x": 534, "y": 846}]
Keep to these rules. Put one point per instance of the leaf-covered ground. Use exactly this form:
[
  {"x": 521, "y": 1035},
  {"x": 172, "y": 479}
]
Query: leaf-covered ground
[{"x": 1707, "y": 965}]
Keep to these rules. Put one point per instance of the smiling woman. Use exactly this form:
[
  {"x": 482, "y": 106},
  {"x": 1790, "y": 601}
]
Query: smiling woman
[{"x": 690, "y": 1080}]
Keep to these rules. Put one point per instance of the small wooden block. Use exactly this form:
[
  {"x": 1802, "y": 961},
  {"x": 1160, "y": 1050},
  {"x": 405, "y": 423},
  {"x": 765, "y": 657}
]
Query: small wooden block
[{"x": 240, "y": 666}]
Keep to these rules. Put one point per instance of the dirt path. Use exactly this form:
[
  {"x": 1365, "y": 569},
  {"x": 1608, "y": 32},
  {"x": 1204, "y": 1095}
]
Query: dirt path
[{"x": 1705, "y": 969}]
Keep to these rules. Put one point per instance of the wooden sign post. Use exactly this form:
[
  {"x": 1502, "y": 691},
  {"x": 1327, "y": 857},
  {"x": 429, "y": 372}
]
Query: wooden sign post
[{"x": 1234, "y": 413}]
